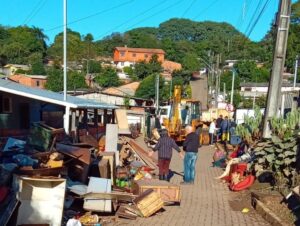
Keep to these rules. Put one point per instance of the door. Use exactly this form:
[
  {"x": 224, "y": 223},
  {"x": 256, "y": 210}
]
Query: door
[{"x": 24, "y": 116}]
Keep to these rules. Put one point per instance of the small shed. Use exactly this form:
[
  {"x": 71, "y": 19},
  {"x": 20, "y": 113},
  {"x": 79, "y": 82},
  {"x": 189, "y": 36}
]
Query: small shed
[{"x": 21, "y": 105}]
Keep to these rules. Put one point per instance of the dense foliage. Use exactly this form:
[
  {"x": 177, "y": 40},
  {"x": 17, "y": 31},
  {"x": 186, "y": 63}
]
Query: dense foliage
[
  {"x": 108, "y": 77},
  {"x": 75, "y": 80}
]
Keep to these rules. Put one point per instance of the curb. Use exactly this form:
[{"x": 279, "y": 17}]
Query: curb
[{"x": 266, "y": 213}]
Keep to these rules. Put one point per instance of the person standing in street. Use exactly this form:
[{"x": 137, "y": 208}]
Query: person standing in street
[
  {"x": 225, "y": 125},
  {"x": 165, "y": 147},
  {"x": 218, "y": 125},
  {"x": 211, "y": 131},
  {"x": 190, "y": 146}
]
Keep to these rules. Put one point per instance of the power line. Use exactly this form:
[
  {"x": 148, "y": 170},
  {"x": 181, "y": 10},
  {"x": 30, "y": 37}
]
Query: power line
[
  {"x": 259, "y": 16},
  {"x": 207, "y": 8},
  {"x": 188, "y": 8},
  {"x": 92, "y": 15},
  {"x": 130, "y": 19},
  {"x": 243, "y": 15},
  {"x": 163, "y": 10},
  {"x": 34, "y": 11},
  {"x": 253, "y": 16}
]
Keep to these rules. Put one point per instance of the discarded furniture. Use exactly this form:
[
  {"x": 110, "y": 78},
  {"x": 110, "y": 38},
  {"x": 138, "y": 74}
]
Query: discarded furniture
[
  {"x": 168, "y": 192},
  {"x": 148, "y": 203},
  {"x": 79, "y": 160},
  {"x": 42, "y": 200},
  {"x": 98, "y": 185},
  {"x": 111, "y": 157}
]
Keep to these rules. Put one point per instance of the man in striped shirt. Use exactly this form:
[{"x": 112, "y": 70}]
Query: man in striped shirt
[{"x": 165, "y": 147}]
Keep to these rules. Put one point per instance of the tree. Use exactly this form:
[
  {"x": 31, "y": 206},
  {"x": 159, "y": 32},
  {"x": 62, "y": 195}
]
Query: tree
[
  {"x": 143, "y": 69},
  {"x": 130, "y": 72},
  {"x": 183, "y": 76},
  {"x": 146, "y": 88},
  {"x": 190, "y": 62},
  {"x": 75, "y": 80},
  {"x": 226, "y": 78},
  {"x": 108, "y": 78},
  {"x": 75, "y": 47},
  {"x": 93, "y": 66},
  {"x": 17, "y": 44},
  {"x": 37, "y": 66},
  {"x": 54, "y": 80}
]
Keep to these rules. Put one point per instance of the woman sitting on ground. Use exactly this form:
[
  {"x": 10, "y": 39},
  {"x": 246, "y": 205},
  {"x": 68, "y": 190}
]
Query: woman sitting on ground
[
  {"x": 247, "y": 156},
  {"x": 219, "y": 156}
]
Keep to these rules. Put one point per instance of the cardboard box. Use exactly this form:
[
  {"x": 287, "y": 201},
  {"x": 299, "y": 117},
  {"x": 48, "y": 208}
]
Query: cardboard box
[{"x": 42, "y": 200}]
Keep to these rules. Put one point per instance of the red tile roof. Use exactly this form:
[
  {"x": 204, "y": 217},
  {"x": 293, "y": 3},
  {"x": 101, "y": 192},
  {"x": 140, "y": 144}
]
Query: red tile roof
[{"x": 141, "y": 50}]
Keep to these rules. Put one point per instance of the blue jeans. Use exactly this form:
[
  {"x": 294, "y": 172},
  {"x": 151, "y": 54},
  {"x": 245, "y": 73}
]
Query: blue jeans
[{"x": 189, "y": 163}]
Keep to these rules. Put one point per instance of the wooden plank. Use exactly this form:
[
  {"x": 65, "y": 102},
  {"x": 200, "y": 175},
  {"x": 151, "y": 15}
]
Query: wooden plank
[
  {"x": 119, "y": 196},
  {"x": 143, "y": 154},
  {"x": 124, "y": 212},
  {"x": 148, "y": 203},
  {"x": 168, "y": 192}
]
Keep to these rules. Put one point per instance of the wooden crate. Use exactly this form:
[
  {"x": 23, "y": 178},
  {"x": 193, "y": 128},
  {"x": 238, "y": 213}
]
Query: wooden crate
[
  {"x": 168, "y": 192},
  {"x": 148, "y": 203}
]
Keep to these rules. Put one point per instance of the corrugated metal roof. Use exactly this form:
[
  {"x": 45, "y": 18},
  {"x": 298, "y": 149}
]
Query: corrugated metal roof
[{"x": 50, "y": 97}]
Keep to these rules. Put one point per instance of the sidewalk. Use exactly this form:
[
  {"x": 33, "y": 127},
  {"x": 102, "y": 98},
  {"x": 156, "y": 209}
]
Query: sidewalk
[{"x": 207, "y": 202}]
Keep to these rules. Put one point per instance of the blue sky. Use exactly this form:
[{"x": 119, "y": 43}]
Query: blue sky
[{"x": 102, "y": 17}]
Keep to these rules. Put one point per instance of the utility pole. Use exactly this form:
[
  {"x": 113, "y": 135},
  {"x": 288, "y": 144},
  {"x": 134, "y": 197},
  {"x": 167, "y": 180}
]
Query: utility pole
[
  {"x": 232, "y": 86},
  {"x": 224, "y": 90},
  {"x": 157, "y": 93},
  {"x": 296, "y": 72},
  {"x": 274, "y": 91},
  {"x": 217, "y": 81},
  {"x": 65, "y": 49}
]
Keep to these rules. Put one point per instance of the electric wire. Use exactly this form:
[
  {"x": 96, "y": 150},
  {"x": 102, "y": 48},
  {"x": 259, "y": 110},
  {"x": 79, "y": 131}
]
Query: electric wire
[
  {"x": 92, "y": 15},
  {"x": 204, "y": 10},
  {"x": 259, "y": 16},
  {"x": 34, "y": 11},
  {"x": 254, "y": 16},
  {"x": 130, "y": 19},
  {"x": 153, "y": 15},
  {"x": 241, "y": 19},
  {"x": 188, "y": 8}
]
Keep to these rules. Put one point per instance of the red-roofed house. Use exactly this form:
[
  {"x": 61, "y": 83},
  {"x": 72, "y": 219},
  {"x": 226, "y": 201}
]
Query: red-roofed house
[
  {"x": 125, "y": 57},
  {"x": 37, "y": 81}
]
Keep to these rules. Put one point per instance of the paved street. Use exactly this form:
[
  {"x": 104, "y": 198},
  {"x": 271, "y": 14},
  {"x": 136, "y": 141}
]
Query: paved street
[{"x": 207, "y": 202}]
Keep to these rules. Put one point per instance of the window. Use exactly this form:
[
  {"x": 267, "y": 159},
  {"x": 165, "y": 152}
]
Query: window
[
  {"x": 146, "y": 55},
  {"x": 249, "y": 89},
  {"x": 6, "y": 105},
  {"x": 37, "y": 83},
  {"x": 122, "y": 53},
  {"x": 122, "y": 63},
  {"x": 133, "y": 55}
]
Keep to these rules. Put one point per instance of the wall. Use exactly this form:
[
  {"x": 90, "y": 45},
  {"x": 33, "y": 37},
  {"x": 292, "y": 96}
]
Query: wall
[
  {"x": 13, "y": 120},
  {"x": 28, "y": 81},
  {"x": 136, "y": 56}
]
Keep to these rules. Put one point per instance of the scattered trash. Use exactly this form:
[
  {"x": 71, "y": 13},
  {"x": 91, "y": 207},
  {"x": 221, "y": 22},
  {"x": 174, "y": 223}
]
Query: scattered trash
[
  {"x": 245, "y": 210},
  {"x": 47, "y": 182}
]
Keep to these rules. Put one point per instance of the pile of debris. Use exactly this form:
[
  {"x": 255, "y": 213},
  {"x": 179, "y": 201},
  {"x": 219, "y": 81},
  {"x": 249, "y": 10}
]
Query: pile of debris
[{"x": 46, "y": 182}]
